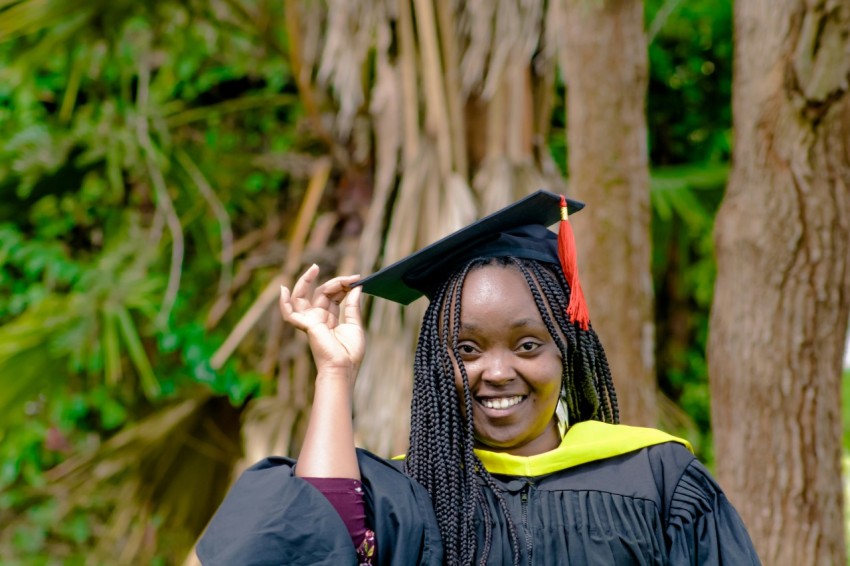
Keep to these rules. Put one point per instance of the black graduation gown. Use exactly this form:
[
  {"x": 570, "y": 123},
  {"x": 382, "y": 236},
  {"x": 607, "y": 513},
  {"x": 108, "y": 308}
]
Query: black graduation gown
[
  {"x": 272, "y": 517},
  {"x": 656, "y": 505}
]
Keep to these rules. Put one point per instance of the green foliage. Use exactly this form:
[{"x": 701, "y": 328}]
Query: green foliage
[
  {"x": 684, "y": 202},
  {"x": 690, "y": 82},
  {"x": 689, "y": 119},
  {"x": 137, "y": 138}
]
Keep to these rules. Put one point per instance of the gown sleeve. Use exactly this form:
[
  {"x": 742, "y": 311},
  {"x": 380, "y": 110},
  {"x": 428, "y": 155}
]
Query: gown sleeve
[
  {"x": 702, "y": 527},
  {"x": 271, "y": 517}
]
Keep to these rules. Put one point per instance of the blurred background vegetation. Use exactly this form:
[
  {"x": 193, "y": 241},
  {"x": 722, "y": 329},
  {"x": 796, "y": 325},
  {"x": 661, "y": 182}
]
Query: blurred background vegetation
[{"x": 154, "y": 162}]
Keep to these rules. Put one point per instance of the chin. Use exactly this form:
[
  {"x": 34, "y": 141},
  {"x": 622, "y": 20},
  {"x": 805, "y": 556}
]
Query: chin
[{"x": 498, "y": 443}]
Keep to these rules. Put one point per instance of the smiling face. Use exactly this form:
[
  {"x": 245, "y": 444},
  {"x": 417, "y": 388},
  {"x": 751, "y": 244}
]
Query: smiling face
[{"x": 512, "y": 363}]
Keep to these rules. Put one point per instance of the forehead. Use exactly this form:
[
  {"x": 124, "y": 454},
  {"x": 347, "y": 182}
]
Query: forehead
[
  {"x": 492, "y": 292},
  {"x": 494, "y": 277},
  {"x": 495, "y": 290}
]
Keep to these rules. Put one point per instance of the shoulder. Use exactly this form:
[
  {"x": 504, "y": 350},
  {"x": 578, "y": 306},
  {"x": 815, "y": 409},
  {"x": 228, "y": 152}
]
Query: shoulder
[
  {"x": 386, "y": 485},
  {"x": 631, "y": 462},
  {"x": 643, "y": 472},
  {"x": 701, "y": 522},
  {"x": 647, "y": 458},
  {"x": 377, "y": 464}
]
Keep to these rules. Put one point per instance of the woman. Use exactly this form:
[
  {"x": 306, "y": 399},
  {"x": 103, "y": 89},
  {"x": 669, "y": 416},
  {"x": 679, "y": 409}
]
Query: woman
[{"x": 540, "y": 474}]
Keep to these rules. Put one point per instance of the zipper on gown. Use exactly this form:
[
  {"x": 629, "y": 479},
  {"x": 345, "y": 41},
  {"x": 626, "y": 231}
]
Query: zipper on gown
[{"x": 529, "y": 546}]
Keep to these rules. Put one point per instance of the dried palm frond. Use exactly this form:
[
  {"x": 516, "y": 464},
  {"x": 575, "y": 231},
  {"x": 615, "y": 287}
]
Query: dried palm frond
[
  {"x": 494, "y": 183},
  {"x": 155, "y": 484},
  {"x": 427, "y": 208},
  {"x": 491, "y": 31},
  {"x": 436, "y": 111},
  {"x": 475, "y": 21},
  {"x": 267, "y": 428},
  {"x": 383, "y": 389},
  {"x": 500, "y": 182},
  {"x": 385, "y": 373},
  {"x": 386, "y": 111},
  {"x": 312, "y": 18},
  {"x": 348, "y": 41},
  {"x": 298, "y": 239},
  {"x": 458, "y": 208},
  {"x": 455, "y": 98},
  {"x": 408, "y": 66}
]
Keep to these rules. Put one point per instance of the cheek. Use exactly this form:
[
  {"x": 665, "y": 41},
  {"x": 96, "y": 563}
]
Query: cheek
[{"x": 550, "y": 385}]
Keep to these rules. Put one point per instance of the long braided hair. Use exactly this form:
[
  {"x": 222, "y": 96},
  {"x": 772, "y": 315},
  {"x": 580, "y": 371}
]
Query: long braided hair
[{"x": 441, "y": 455}]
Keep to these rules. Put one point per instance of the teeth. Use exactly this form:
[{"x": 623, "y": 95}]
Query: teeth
[{"x": 502, "y": 403}]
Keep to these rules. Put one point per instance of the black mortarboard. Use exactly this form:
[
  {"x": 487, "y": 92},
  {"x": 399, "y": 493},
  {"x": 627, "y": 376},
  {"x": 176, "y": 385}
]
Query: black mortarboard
[{"x": 518, "y": 230}]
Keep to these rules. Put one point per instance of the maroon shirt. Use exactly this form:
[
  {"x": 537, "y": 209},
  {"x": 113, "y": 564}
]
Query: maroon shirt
[{"x": 346, "y": 496}]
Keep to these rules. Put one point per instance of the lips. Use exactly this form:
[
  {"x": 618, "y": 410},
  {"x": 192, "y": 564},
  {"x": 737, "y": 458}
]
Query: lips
[{"x": 501, "y": 403}]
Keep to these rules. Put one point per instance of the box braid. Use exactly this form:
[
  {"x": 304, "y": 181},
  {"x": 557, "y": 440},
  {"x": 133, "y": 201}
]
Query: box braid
[
  {"x": 441, "y": 455},
  {"x": 583, "y": 351}
]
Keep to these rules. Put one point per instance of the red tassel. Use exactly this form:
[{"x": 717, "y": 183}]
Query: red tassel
[{"x": 577, "y": 308}]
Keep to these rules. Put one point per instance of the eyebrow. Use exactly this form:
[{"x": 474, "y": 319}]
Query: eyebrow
[{"x": 521, "y": 323}]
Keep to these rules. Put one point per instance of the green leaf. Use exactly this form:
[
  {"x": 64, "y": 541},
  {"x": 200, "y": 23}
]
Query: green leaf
[
  {"x": 111, "y": 351},
  {"x": 149, "y": 382}
]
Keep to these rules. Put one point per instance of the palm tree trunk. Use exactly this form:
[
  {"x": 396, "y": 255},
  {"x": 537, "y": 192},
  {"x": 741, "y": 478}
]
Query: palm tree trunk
[{"x": 605, "y": 67}]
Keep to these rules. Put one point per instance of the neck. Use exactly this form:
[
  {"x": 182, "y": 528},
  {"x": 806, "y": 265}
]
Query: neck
[{"x": 545, "y": 442}]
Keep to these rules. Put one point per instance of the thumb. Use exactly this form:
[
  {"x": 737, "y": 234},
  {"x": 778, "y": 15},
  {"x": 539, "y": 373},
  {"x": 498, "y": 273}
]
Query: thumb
[{"x": 351, "y": 310}]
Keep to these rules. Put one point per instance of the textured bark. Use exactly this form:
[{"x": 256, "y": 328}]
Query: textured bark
[
  {"x": 782, "y": 297},
  {"x": 605, "y": 67}
]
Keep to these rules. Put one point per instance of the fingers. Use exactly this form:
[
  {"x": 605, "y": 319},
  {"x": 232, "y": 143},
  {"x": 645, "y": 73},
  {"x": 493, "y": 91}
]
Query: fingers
[
  {"x": 305, "y": 282},
  {"x": 331, "y": 294},
  {"x": 334, "y": 289},
  {"x": 322, "y": 303},
  {"x": 286, "y": 308},
  {"x": 351, "y": 310}
]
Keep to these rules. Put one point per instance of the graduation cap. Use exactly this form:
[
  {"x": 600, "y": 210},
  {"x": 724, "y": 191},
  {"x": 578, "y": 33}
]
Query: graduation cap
[{"x": 518, "y": 230}]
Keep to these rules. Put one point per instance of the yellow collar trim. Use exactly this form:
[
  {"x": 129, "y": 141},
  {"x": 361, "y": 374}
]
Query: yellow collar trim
[{"x": 587, "y": 441}]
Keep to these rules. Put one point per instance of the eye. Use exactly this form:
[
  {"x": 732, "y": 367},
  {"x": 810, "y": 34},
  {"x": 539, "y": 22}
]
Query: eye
[
  {"x": 466, "y": 348},
  {"x": 528, "y": 346}
]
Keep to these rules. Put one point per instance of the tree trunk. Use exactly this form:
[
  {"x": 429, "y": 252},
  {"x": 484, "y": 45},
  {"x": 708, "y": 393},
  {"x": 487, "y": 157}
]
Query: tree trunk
[
  {"x": 782, "y": 296},
  {"x": 605, "y": 66}
]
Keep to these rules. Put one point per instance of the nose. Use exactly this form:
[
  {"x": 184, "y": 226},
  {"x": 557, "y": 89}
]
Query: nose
[{"x": 498, "y": 367}]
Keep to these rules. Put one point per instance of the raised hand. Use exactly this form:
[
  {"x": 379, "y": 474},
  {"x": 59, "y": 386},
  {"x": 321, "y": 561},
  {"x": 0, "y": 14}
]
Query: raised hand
[{"x": 330, "y": 315}]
